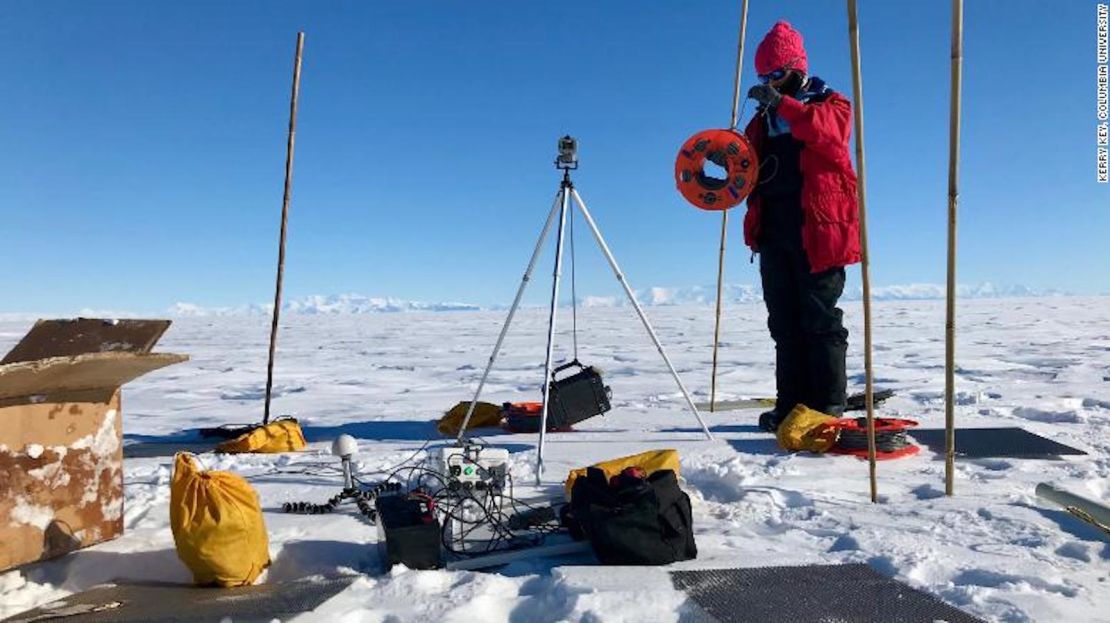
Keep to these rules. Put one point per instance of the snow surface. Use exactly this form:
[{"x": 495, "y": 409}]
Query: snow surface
[{"x": 993, "y": 549}]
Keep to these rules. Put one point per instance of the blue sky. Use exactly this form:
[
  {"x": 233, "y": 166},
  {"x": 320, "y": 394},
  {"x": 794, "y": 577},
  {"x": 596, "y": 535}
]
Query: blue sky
[{"x": 142, "y": 144}]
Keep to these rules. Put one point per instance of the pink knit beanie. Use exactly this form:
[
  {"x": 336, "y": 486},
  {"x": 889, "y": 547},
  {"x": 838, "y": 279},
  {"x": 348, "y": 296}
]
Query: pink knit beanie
[{"x": 782, "y": 47}]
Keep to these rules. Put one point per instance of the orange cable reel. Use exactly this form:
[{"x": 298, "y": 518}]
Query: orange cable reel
[{"x": 726, "y": 148}]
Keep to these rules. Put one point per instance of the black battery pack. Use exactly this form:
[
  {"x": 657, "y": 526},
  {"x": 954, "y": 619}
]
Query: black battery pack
[
  {"x": 408, "y": 532},
  {"x": 577, "y": 397}
]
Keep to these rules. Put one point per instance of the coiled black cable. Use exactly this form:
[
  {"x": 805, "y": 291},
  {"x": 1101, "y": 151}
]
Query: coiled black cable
[{"x": 890, "y": 440}]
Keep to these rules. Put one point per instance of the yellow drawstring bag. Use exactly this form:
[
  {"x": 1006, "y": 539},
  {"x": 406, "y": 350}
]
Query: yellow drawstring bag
[
  {"x": 650, "y": 461},
  {"x": 485, "y": 415},
  {"x": 282, "y": 435},
  {"x": 217, "y": 525},
  {"x": 806, "y": 429}
]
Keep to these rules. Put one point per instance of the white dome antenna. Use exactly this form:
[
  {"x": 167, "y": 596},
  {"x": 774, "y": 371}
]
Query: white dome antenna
[{"x": 345, "y": 447}]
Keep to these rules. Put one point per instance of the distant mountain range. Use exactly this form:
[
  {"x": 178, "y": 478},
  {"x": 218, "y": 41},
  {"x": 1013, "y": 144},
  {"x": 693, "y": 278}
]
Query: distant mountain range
[
  {"x": 652, "y": 297},
  {"x": 924, "y": 291},
  {"x": 741, "y": 293},
  {"x": 322, "y": 305}
]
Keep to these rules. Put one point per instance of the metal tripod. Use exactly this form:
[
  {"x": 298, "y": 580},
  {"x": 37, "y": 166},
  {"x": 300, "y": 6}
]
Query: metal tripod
[{"x": 561, "y": 206}]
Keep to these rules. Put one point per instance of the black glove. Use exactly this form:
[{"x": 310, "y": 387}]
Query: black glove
[{"x": 765, "y": 94}]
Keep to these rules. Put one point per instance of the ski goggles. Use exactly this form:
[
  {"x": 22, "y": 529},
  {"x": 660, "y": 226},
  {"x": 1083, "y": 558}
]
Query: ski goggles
[{"x": 778, "y": 74}]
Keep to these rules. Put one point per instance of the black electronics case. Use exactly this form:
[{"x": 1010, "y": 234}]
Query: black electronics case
[
  {"x": 408, "y": 533},
  {"x": 577, "y": 397}
]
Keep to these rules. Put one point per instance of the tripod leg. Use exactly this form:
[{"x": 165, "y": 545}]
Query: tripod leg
[
  {"x": 555, "y": 207},
  {"x": 639, "y": 311},
  {"x": 551, "y": 328}
]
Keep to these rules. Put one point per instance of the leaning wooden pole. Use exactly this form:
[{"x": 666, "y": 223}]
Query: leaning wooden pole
[
  {"x": 284, "y": 221},
  {"x": 724, "y": 214},
  {"x": 865, "y": 264},
  {"x": 953, "y": 197}
]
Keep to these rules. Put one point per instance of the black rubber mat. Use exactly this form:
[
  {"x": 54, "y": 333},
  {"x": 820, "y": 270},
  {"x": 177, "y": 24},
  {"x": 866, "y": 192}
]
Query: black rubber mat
[
  {"x": 176, "y": 603},
  {"x": 146, "y": 450},
  {"x": 817, "y": 593},
  {"x": 982, "y": 443},
  {"x": 858, "y": 402}
]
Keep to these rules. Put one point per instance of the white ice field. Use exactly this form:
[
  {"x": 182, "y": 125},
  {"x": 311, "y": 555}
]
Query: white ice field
[{"x": 993, "y": 549}]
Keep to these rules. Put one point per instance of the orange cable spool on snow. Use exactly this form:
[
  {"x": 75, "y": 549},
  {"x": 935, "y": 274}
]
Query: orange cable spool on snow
[
  {"x": 891, "y": 438},
  {"x": 726, "y": 148}
]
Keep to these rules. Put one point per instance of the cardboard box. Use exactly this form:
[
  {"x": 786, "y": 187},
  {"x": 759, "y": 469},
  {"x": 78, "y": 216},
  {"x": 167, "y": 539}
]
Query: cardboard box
[{"x": 61, "y": 438}]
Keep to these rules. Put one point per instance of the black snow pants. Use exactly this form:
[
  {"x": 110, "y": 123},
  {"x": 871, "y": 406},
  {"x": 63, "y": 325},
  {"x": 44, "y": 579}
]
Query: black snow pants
[{"x": 805, "y": 323}]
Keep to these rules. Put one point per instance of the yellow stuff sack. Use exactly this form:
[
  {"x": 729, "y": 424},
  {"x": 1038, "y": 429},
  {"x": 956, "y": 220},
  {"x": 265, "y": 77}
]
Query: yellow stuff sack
[
  {"x": 650, "y": 461},
  {"x": 217, "y": 525},
  {"x": 806, "y": 429},
  {"x": 485, "y": 415},
  {"x": 282, "y": 435}
]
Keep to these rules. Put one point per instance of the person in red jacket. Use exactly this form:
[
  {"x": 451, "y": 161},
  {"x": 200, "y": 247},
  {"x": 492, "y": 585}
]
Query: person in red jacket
[{"x": 802, "y": 220}]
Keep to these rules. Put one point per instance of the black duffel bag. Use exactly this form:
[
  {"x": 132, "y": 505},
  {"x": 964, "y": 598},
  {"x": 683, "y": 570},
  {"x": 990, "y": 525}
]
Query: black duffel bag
[{"x": 636, "y": 521}]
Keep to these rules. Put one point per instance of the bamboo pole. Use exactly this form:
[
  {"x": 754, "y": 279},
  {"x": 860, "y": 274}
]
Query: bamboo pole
[
  {"x": 739, "y": 66},
  {"x": 735, "y": 120},
  {"x": 865, "y": 264},
  {"x": 284, "y": 221},
  {"x": 953, "y": 196},
  {"x": 717, "y": 321}
]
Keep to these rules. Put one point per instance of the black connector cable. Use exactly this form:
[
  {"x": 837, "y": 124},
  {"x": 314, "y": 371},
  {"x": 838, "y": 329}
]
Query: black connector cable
[{"x": 885, "y": 440}]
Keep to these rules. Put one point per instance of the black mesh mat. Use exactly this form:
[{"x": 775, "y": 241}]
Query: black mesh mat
[
  {"x": 176, "y": 603},
  {"x": 146, "y": 450},
  {"x": 818, "y": 593},
  {"x": 981, "y": 443}
]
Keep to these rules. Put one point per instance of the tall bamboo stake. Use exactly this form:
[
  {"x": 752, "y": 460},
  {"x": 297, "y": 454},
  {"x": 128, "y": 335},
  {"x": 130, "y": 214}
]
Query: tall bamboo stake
[
  {"x": 284, "y": 221},
  {"x": 717, "y": 322},
  {"x": 865, "y": 264},
  {"x": 953, "y": 196},
  {"x": 724, "y": 214}
]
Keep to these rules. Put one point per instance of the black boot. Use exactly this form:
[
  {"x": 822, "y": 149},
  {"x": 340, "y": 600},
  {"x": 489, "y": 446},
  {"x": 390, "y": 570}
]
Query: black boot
[{"x": 769, "y": 420}]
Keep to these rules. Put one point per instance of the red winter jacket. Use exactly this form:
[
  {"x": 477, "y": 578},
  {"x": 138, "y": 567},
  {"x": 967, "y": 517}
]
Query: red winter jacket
[{"x": 830, "y": 229}]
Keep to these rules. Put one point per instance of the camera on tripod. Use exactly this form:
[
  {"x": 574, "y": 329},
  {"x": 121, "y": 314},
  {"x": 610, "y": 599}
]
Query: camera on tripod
[{"x": 568, "y": 153}]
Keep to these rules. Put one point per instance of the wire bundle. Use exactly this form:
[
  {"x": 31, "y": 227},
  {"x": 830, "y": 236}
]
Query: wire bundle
[
  {"x": 472, "y": 509},
  {"x": 885, "y": 441},
  {"x": 890, "y": 435},
  {"x": 465, "y": 510},
  {"x": 497, "y": 510}
]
